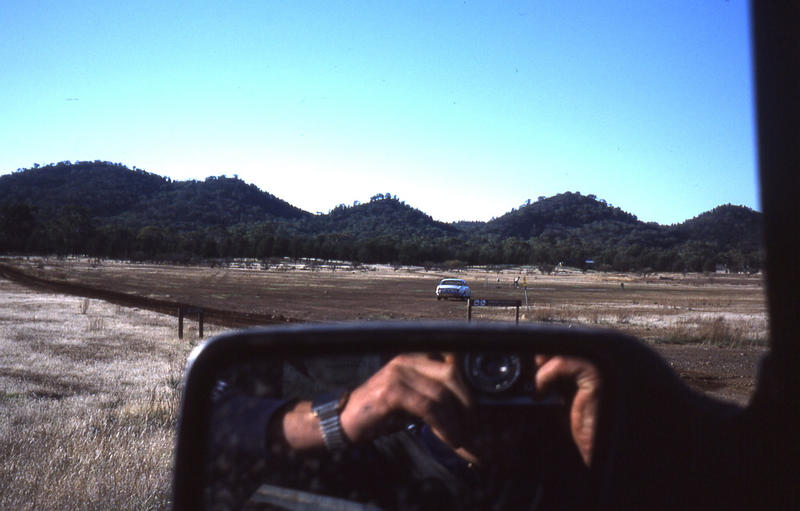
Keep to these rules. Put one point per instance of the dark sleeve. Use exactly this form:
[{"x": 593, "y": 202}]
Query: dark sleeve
[
  {"x": 397, "y": 470},
  {"x": 239, "y": 458},
  {"x": 240, "y": 424}
]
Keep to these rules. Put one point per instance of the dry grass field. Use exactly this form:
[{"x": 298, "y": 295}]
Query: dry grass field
[
  {"x": 88, "y": 402},
  {"x": 89, "y": 388}
]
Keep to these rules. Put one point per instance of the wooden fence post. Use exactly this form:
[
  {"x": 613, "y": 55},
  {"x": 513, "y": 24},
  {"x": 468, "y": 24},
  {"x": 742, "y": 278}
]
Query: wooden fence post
[{"x": 183, "y": 311}]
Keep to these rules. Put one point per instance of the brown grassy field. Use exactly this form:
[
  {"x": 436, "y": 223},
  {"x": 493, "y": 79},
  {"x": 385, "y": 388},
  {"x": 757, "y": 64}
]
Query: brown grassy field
[
  {"x": 88, "y": 402},
  {"x": 89, "y": 388}
]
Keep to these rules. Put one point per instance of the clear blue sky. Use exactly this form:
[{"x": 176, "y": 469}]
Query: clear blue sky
[{"x": 463, "y": 109}]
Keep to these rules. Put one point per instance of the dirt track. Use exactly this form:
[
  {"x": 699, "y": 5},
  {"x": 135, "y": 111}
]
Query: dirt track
[{"x": 249, "y": 295}]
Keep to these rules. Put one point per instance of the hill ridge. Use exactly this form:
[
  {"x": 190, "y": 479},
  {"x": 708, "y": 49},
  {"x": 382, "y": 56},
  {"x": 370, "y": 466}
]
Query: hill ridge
[{"x": 107, "y": 209}]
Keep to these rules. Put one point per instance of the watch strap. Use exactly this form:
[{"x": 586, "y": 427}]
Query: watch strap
[{"x": 327, "y": 409}]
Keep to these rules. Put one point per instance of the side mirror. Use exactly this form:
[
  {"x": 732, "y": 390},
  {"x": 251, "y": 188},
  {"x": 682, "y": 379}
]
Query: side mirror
[{"x": 224, "y": 459}]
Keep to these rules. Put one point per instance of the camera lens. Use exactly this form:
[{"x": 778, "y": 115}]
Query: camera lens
[{"x": 492, "y": 372}]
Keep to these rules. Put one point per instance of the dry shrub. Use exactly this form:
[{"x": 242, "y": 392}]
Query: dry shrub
[
  {"x": 96, "y": 325},
  {"x": 543, "y": 314},
  {"x": 550, "y": 314},
  {"x": 715, "y": 332},
  {"x": 159, "y": 410},
  {"x": 454, "y": 264},
  {"x": 718, "y": 332}
]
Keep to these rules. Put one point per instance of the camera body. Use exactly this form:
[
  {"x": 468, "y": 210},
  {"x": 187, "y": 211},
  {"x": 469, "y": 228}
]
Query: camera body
[{"x": 498, "y": 378}]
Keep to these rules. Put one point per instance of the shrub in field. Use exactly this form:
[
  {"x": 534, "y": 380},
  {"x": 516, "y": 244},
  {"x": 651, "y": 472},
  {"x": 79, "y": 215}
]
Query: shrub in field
[
  {"x": 544, "y": 314},
  {"x": 96, "y": 325},
  {"x": 454, "y": 264},
  {"x": 716, "y": 332}
]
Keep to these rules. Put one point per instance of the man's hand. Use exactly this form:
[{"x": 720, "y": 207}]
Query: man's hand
[
  {"x": 411, "y": 386},
  {"x": 585, "y": 402},
  {"x": 430, "y": 389}
]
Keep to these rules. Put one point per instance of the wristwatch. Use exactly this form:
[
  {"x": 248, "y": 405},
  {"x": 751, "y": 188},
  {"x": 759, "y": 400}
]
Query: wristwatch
[{"x": 327, "y": 408}]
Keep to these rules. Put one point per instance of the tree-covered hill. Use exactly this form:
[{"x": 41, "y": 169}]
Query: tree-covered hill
[
  {"x": 105, "y": 209},
  {"x": 104, "y": 189},
  {"x": 728, "y": 227},
  {"x": 113, "y": 193},
  {"x": 383, "y": 215},
  {"x": 216, "y": 201},
  {"x": 385, "y": 229},
  {"x": 558, "y": 214}
]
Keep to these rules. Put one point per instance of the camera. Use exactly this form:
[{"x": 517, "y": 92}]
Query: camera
[{"x": 498, "y": 378}]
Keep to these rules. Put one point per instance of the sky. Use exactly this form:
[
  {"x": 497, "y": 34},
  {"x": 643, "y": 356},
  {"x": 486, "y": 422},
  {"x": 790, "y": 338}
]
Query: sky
[{"x": 462, "y": 109}]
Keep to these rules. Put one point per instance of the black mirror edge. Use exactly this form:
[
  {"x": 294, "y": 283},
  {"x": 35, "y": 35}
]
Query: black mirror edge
[{"x": 776, "y": 58}]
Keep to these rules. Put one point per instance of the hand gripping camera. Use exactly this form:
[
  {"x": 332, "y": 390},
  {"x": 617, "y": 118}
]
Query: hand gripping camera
[{"x": 497, "y": 378}]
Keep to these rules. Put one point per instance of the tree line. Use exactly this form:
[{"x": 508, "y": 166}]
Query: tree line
[{"x": 105, "y": 210}]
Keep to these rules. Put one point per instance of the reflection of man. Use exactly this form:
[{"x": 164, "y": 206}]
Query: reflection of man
[
  {"x": 433, "y": 391},
  {"x": 477, "y": 443}
]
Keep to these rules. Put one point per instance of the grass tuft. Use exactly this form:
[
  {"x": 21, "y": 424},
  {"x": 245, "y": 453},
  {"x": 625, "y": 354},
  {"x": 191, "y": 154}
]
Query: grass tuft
[
  {"x": 716, "y": 332},
  {"x": 95, "y": 325}
]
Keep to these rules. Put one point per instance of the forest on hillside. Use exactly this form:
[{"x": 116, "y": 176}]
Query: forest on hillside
[{"x": 103, "y": 209}]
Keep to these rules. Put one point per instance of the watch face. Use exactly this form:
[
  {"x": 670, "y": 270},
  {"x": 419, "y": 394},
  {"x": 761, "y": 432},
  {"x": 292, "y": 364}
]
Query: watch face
[
  {"x": 326, "y": 410},
  {"x": 325, "y": 403}
]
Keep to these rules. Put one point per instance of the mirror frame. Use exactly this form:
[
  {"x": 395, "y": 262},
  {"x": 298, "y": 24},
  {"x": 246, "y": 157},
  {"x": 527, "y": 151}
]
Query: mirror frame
[{"x": 608, "y": 350}]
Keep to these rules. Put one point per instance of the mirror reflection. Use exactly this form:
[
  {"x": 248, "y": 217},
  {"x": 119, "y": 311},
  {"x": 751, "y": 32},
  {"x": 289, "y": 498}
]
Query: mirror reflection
[{"x": 477, "y": 430}]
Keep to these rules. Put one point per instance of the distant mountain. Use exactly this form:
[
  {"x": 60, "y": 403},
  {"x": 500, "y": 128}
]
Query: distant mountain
[
  {"x": 558, "y": 215},
  {"x": 106, "y": 209},
  {"x": 116, "y": 194},
  {"x": 379, "y": 217},
  {"x": 104, "y": 189},
  {"x": 217, "y": 201},
  {"x": 595, "y": 225},
  {"x": 728, "y": 227}
]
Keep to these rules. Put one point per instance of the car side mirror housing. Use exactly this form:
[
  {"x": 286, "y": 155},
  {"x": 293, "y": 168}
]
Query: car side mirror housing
[{"x": 645, "y": 411}]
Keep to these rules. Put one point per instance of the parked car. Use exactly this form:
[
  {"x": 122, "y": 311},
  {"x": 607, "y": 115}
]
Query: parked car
[{"x": 453, "y": 288}]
